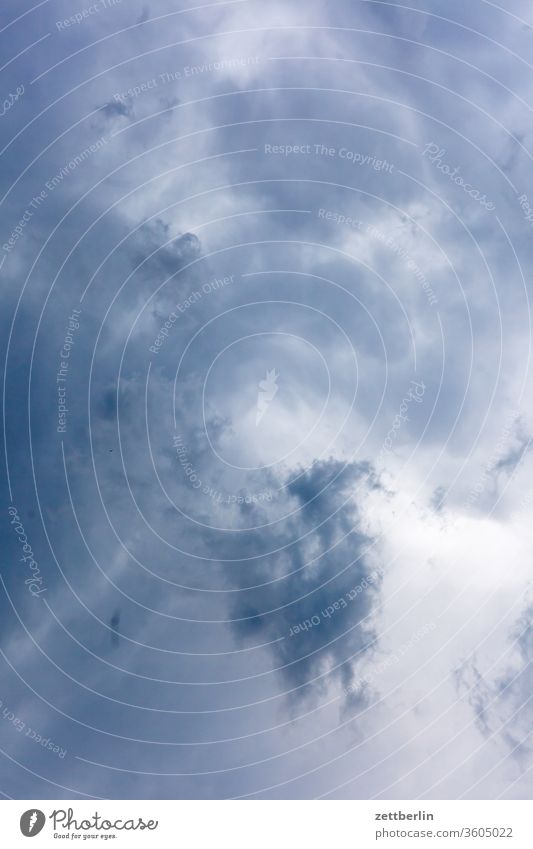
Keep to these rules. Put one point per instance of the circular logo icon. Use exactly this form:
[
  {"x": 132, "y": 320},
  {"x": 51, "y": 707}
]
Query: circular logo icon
[{"x": 32, "y": 822}]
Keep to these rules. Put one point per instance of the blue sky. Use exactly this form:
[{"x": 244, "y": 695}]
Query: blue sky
[{"x": 266, "y": 338}]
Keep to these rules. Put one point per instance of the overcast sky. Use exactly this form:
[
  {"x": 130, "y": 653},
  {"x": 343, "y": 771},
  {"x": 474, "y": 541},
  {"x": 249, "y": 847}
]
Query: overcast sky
[{"x": 266, "y": 334}]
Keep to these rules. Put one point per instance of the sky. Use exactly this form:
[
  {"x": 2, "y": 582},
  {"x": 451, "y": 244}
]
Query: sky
[{"x": 266, "y": 344}]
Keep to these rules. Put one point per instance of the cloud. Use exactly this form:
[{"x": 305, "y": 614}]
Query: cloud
[
  {"x": 233, "y": 604},
  {"x": 116, "y": 109},
  {"x": 315, "y": 604},
  {"x": 501, "y": 700}
]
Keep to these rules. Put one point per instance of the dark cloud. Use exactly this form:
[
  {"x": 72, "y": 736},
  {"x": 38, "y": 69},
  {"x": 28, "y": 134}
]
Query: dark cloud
[
  {"x": 144, "y": 16},
  {"x": 116, "y": 109},
  {"x": 157, "y": 249},
  {"x": 294, "y": 590},
  {"x": 115, "y": 627}
]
